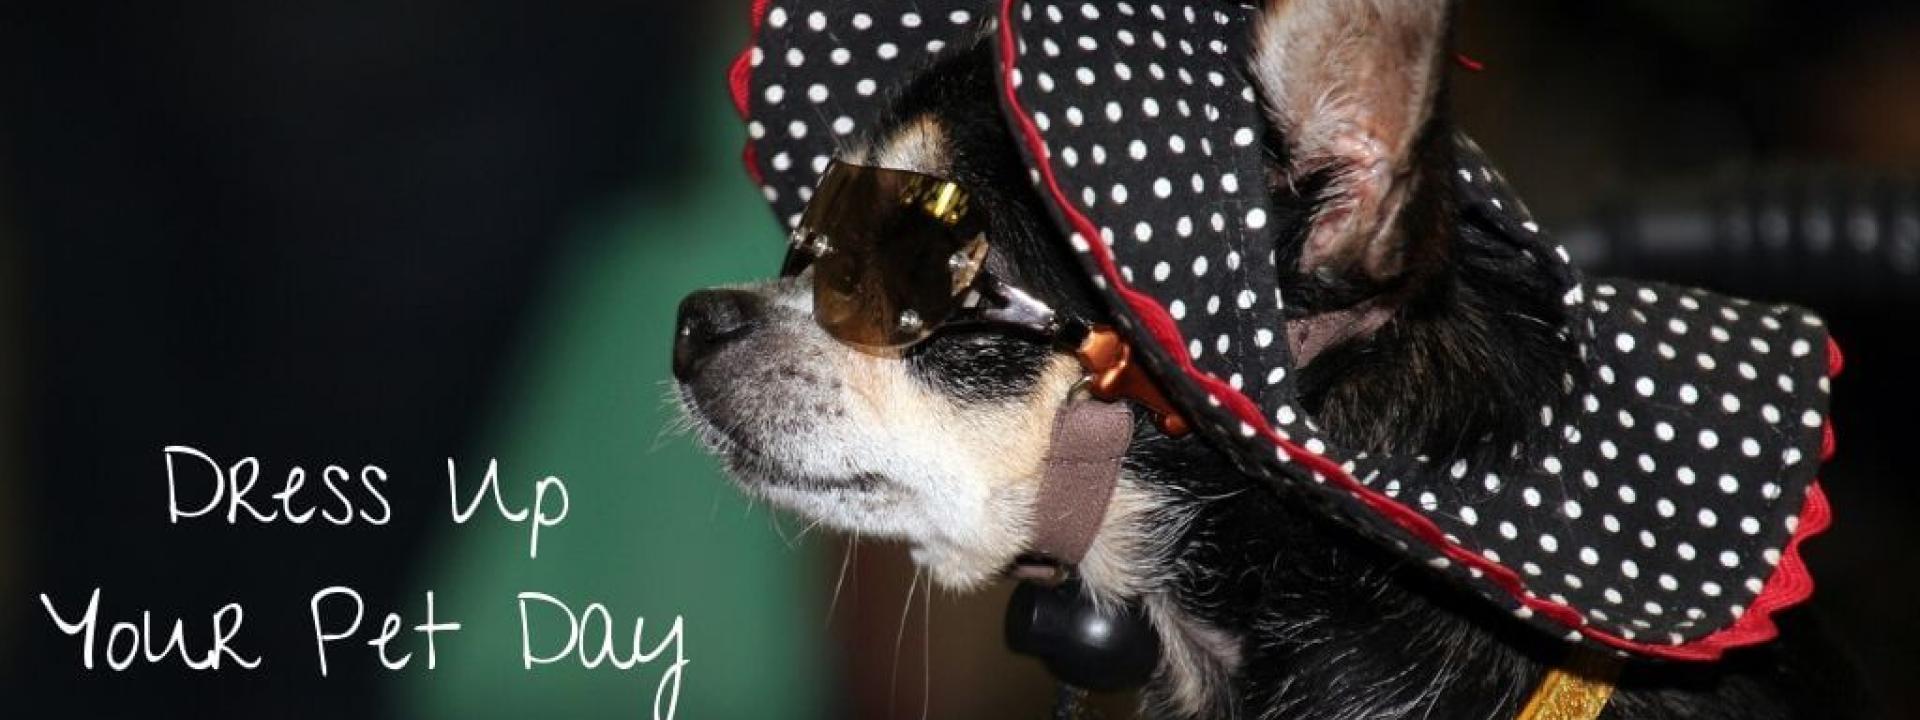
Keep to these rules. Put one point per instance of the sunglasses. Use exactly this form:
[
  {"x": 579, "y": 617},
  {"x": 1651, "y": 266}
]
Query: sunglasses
[{"x": 898, "y": 256}]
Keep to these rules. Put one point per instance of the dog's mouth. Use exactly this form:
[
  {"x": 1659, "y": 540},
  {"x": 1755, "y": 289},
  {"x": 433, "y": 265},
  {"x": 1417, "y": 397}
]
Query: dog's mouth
[{"x": 751, "y": 465}]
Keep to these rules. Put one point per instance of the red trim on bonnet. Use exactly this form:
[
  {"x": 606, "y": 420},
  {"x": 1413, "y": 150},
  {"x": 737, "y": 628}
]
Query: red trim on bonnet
[
  {"x": 739, "y": 78},
  {"x": 1789, "y": 585}
]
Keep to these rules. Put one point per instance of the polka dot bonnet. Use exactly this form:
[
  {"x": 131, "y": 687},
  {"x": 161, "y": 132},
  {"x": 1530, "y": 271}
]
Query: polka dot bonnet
[{"x": 1659, "y": 511}]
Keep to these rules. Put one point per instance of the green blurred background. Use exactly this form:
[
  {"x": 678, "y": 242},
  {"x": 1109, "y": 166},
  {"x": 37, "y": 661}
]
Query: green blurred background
[
  {"x": 652, "y": 529},
  {"x": 402, "y": 232}
]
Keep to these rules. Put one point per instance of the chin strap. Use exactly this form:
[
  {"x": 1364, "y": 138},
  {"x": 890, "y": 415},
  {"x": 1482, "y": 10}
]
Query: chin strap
[
  {"x": 1051, "y": 617},
  {"x": 1090, "y": 438},
  {"x": 1077, "y": 477}
]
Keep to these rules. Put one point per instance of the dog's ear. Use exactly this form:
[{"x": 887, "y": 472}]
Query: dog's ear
[{"x": 1350, "y": 86}]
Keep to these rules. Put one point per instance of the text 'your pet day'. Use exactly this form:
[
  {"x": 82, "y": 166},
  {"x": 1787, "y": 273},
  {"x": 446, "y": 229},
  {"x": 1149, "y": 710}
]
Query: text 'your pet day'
[{"x": 202, "y": 490}]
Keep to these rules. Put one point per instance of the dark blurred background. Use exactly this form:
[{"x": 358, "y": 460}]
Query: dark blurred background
[{"x": 400, "y": 232}]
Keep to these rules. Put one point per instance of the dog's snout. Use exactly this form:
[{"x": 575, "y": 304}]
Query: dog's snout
[{"x": 709, "y": 319}]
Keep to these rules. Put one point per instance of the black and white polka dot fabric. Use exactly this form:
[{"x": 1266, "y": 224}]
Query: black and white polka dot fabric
[{"x": 1659, "y": 513}]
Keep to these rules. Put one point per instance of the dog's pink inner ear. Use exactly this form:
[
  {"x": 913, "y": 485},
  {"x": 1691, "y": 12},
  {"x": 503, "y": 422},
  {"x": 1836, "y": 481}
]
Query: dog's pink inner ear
[{"x": 1351, "y": 84}]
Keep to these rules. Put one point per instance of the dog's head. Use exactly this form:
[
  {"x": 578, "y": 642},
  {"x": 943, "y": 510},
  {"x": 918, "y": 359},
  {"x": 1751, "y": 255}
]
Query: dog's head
[{"x": 941, "y": 443}]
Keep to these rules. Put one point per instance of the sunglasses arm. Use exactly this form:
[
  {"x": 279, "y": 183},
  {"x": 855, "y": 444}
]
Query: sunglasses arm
[
  {"x": 1008, "y": 305},
  {"x": 1112, "y": 375}
]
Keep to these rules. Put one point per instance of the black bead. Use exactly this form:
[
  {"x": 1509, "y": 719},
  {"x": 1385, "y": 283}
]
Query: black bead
[{"x": 1110, "y": 648}]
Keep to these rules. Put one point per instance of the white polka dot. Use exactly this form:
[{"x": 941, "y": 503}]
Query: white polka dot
[{"x": 1571, "y": 509}]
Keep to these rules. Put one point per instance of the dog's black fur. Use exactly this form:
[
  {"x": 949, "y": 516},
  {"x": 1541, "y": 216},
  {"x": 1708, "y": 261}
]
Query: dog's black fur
[{"x": 1328, "y": 625}]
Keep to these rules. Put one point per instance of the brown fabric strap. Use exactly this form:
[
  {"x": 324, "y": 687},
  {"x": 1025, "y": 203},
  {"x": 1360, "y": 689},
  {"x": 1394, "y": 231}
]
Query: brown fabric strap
[{"x": 1077, "y": 477}]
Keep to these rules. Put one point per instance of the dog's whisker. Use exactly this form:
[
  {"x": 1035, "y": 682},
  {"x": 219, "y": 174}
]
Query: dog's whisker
[
  {"x": 893, "y": 681},
  {"x": 926, "y": 650},
  {"x": 846, "y": 561},
  {"x": 773, "y": 519},
  {"x": 802, "y": 535},
  {"x": 680, "y": 420}
]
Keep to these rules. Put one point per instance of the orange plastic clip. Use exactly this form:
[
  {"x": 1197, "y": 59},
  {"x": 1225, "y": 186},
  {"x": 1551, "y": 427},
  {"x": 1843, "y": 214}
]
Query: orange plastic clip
[{"x": 1111, "y": 375}]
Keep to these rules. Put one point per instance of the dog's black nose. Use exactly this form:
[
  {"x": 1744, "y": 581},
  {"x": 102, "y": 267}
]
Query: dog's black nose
[{"x": 710, "y": 319}]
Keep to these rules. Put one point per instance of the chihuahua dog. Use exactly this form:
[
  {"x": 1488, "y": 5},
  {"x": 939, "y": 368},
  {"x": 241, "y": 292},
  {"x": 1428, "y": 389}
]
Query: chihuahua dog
[{"x": 1409, "y": 336}]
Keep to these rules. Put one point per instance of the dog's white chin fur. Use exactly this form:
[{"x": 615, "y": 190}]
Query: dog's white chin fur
[{"x": 955, "y": 480}]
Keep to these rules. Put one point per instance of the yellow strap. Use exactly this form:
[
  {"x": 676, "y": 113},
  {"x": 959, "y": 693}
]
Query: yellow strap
[{"x": 1578, "y": 689}]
